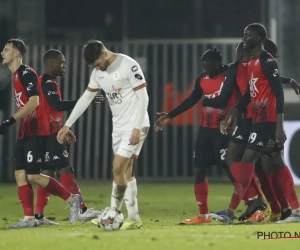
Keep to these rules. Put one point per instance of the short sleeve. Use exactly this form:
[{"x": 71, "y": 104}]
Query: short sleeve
[
  {"x": 136, "y": 76},
  {"x": 93, "y": 85},
  {"x": 29, "y": 80}
]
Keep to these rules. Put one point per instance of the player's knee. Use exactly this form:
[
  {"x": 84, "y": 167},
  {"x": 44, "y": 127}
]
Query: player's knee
[
  {"x": 65, "y": 170},
  {"x": 33, "y": 178},
  {"x": 21, "y": 177},
  {"x": 200, "y": 175},
  {"x": 118, "y": 169}
]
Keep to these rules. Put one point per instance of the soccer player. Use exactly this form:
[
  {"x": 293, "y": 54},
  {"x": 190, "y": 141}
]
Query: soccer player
[
  {"x": 210, "y": 143},
  {"x": 123, "y": 81},
  {"x": 238, "y": 140},
  {"x": 57, "y": 156},
  {"x": 267, "y": 134},
  {"x": 31, "y": 137}
]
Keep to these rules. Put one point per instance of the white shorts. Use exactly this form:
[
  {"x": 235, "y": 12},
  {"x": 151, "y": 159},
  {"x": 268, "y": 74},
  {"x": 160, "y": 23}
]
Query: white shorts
[{"x": 120, "y": 143}]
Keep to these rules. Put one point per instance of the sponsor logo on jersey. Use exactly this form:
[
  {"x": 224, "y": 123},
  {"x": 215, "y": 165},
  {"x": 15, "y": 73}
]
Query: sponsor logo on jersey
[
  {"x": 138, "y": 77},
  {"x": 134, "y": 68},
  {"x": 30, "y": 85},
  {"x": 253, "y": 89},
  {"x": 276, "y": 73},
  {"x": 19, "y": 102},
  {"x": 52, "y": 93}
]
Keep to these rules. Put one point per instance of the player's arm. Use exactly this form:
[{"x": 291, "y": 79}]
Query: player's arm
[
  {"x": 81, "y": 105},
  {"x": 294, "y": 84},
  {"x": 29, "y": 81},
  {"x": 50, "y": 91},
  {"x": 190, "y": 101},
  {"x": 142, "y": 95},
  {"x": 244, "y": 101},
  {"x": 227, "y": 89},
  {"x": 270, "y": 70}
]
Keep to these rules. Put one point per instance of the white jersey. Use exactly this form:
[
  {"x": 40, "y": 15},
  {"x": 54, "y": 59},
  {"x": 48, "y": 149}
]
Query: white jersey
[{"x": 120, "y": 81}]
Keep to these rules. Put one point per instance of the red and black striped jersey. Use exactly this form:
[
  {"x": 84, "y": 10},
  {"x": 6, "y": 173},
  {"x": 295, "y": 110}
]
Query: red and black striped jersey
[
  {"x": 211, "y": 88},
  {"x": 53, "y": 105},
  {"x": 25, "y": 82}
]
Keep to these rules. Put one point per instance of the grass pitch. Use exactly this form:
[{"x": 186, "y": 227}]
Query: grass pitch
[{"x": 162, "y": 206}]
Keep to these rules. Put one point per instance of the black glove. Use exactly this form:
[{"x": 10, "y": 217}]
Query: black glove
[{"x": 6, "y": 124}]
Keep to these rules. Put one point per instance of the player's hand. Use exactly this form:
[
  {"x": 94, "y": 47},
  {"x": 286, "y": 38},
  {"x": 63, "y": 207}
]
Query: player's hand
[
  {"x": 203, "y": 97},
  {"x": 135, "y": 136},
  {"x": 62, "y": 134},
  {"x": 280, "y": 136},
  {"x": 98, "y": 99},
  {"x": 162, "y": 120},
  {"x": 6, "y": 124},
  {"x": 224, "y": 124},
  {"x": 295, "y": 86},
  {"x": 70, "y": 137}
]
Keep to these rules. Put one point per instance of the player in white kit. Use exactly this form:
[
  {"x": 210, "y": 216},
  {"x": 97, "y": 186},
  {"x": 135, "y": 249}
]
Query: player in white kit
[{"x": 123, "y": 81}]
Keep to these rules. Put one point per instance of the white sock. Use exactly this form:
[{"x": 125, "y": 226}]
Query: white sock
[
  {"x": 296, "y": 211},
  {"x": 28, "y": 217},
  {"x": 131, "y": 201},
  {"x": 115, "y": 201}
]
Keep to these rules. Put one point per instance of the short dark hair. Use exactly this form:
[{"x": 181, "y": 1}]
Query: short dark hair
[
  {"x": 92, "y": 51},
  {"x": 212, "y": 54},
  {"x": 259, "y": 29},
  {"x": 51, "y": 54},
  {"x": 18, "y": 44},
  {"x": 271, "y": 47}
]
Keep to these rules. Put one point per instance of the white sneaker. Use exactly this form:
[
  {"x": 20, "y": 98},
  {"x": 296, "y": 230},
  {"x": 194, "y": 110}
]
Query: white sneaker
[
  {"x": 45, "y": 221},
  {"x": 24, "y": 223},
  {"x": 89, "y": 214},
  {"x": 291, "y": 218}
]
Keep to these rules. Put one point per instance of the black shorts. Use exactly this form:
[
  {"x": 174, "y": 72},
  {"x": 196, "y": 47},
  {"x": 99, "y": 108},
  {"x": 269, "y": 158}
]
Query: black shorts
[
  {"x": 262, "y": 138},
  {"x": 56, "y": 155},
  {"x": 210, "y": 148},
  {"x": 241, "y": 132},
  {"x": 29, "y": 153}
]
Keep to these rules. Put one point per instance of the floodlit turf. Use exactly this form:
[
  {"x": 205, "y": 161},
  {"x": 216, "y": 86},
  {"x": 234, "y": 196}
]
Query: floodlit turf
[{"x": 162, "y": 206}]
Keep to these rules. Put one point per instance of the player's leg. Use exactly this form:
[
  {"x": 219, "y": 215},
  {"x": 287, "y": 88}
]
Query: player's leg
[
  {"x": 25, "y": 191},
  {"x": 37, "y": 146},
  {"x": 282, "y": 177},
  {"x": 42, "y": 200},
  {"x": 203, "y": 156},
  {"x": 60, "y": 161},
  {"x": 130, "y": 197},
  {"x": 262, "y": 173}
]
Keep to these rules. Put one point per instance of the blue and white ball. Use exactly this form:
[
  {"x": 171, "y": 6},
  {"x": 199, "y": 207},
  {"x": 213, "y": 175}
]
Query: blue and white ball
[{"x": 111, "y": 219}]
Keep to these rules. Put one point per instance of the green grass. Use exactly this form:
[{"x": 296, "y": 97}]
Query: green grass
[{"x": 162, "y": 206}]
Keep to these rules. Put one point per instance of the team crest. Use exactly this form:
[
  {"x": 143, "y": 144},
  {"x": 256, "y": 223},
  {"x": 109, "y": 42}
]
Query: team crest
[
  {"x": 116, "y": 75},
  {"x": 66, "y": 154},
  {"x": 17, "y": 77},
  {"x": 256, "y": 62}
]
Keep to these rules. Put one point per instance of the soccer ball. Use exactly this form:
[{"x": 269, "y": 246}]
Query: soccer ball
[{"x": 111, "y": 219}]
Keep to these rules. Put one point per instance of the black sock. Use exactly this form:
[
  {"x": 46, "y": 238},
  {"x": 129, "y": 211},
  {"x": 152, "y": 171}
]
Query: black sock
[
  {"x": 39, "y": 216},
  {"x": 83, "y": 210}
]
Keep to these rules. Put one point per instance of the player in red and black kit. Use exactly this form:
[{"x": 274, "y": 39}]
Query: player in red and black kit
[
  {"x": 211, "y": 145},
  {"x": 57, "y": 156},
  {"x": 267, "y": 134},
  {"x": 238, "y": 142},
  {"x": 33, "y": 130}
]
